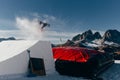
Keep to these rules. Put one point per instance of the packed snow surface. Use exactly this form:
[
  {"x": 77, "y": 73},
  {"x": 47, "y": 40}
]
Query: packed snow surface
[
  {"x": 9, "y": 49},
  {"x": 113, "y": 73}
]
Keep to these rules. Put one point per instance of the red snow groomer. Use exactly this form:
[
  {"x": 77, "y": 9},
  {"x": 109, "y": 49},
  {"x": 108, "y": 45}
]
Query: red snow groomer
[{"x": 76, "y": 61}]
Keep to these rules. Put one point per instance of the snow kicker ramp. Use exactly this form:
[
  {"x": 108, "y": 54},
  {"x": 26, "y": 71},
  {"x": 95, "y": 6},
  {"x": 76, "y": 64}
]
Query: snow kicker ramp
[
  {"x": 75, "y": 61},
  {"x": 14, "y": 57}
]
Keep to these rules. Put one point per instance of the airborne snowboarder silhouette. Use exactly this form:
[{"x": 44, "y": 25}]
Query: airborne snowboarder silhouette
[{"x": 44, "y": 24}]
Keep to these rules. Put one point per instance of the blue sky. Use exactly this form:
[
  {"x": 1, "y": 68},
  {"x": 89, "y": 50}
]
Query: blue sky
[{"x": 70, "y": 15}]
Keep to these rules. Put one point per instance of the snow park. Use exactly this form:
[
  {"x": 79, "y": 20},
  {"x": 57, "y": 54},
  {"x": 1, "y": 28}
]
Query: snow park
[
  {"x": 59, "y": 40},
  {"x": 85, "y": 57}
]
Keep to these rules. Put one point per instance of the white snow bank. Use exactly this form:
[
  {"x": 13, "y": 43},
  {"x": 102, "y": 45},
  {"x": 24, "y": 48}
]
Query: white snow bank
[
  {"x": 92, "y": 45},
  {"x": 113, "y": 73},
  {"x": 97, "y": 41},
  {"x": 109, "y": 43},
  {"x": 9, "y": 49}
]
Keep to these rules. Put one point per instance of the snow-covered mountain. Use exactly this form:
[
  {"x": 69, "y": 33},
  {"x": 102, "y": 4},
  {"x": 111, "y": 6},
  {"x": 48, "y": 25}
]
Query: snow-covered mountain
[
  {"x": 87, "y": 36},
  {"x": 109, "y": 42},
  {"x": 112, "y": 36},
  {"x": 4, "y": 39}
]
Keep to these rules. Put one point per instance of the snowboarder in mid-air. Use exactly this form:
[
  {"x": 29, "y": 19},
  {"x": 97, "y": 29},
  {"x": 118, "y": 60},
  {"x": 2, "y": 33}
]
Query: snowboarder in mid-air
[{"x": 44, "y": 24}]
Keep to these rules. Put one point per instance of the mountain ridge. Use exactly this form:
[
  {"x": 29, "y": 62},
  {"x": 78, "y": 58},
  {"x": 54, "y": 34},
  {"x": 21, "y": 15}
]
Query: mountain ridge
[
  {"x": 109, "y": 42},
  {"x": 88, "y": 36}
]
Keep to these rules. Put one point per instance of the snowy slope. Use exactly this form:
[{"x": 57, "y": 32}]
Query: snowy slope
[
  {"x": 113, "y": 73},
  {"x": 13, "y": 48}
]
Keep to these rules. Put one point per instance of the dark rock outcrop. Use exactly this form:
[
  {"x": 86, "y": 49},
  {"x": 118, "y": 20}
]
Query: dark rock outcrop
[
  {"x": 87, "y": 36},
  {"x": 97, "y": 35},
  {"x": 112, "y": 36},
  {"x": 69, "y": 43},
  {"x": 76, "y": 38}
]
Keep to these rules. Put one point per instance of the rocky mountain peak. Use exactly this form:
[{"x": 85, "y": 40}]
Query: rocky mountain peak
[
  {"x": 112, "y": 36},
  {"x": 5, "y": 39},
  {"x": 88, "y": 32},
  {"x": 97, "y": 35},
  {"x": 87, "y": 35},
  {"x": 68, "y": 43},
  {"x": 76, "y": 38}
]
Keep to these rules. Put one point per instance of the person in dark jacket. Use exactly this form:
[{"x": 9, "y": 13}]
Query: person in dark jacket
[{"x": 44, "y": 24}]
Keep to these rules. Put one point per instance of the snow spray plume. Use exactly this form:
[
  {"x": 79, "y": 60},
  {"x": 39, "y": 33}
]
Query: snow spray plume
[{"x": 30, "y": 29}]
